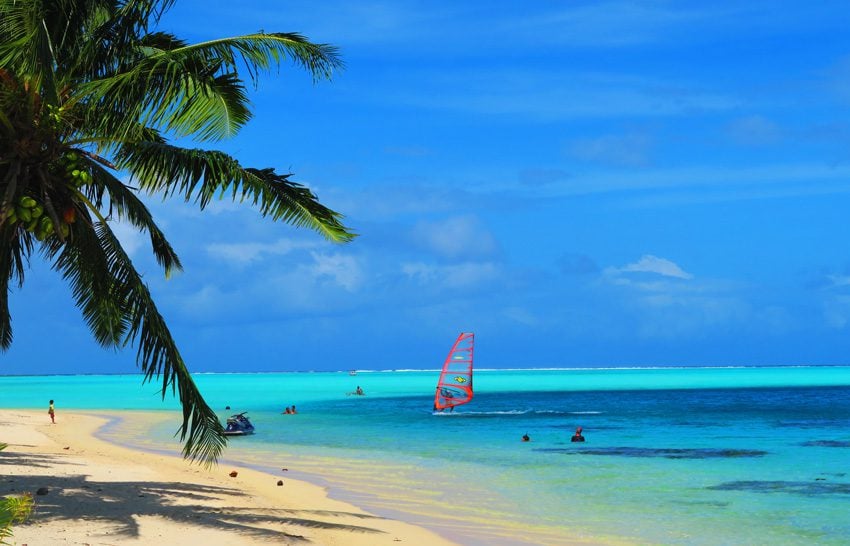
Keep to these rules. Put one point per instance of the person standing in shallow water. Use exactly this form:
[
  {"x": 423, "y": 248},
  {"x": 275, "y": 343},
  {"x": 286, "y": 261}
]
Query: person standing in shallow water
[
  {"x": 577, "y": 437},
  {"x": 51, "y": 412}
]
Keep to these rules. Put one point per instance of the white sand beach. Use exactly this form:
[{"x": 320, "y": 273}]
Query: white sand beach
[{"x": 101, "y": 494}]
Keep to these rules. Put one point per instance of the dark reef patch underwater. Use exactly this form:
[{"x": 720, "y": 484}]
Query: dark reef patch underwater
[
  {"x": 668, "y": 453},
  {"x": 798, "y": 488},
  {"x": 826, "y": 443}
]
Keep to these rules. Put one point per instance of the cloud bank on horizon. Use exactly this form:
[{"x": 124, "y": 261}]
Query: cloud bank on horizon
[{"x": 581, "y": 184}]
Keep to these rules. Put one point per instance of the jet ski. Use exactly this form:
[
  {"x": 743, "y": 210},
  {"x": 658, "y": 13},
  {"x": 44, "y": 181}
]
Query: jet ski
[{"x": 238, "y": 425}]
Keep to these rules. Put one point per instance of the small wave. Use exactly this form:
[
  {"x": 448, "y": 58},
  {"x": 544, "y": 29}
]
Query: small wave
[
  {"x": 519, "y": 412},
  {"x": 506, "y": 412}
]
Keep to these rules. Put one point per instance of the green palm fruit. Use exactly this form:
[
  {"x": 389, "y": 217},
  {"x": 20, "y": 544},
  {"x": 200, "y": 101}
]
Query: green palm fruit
[
  {"x": 24, "y": 214},
  {"x": 37, "y": 211},
  {"x": 31, "y": 225},
  {"x": 85, "y": 177},
  {"x": 72, "y": 156},
  {"x": 75, "y": 173},
  {"x": 27, "y": 202},
  {"x": 46, "y": 223},
  {"x": 65, "y": 229},
  {"x": 11, "y": 217},
  {"x": 40, "y": 235}
]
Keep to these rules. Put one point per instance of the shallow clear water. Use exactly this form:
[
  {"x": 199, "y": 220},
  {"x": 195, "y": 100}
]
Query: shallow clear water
[{"x": 673, "y": 456}]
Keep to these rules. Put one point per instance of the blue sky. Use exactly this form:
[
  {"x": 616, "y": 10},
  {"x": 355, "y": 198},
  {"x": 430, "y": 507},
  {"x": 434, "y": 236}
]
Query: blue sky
[{"x": 579, "y": 183}]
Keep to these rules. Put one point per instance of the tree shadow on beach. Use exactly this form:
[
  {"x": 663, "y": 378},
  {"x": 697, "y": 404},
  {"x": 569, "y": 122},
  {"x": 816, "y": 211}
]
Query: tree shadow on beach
[
  {"x": 117, "y": 504},
  {"x": 31, "y": 460}
]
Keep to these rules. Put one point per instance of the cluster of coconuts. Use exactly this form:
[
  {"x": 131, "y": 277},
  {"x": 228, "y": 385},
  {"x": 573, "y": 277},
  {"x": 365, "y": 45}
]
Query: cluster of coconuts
[
  {"x": 29, "y": 213},
  {"x": 76, "y": 175}
]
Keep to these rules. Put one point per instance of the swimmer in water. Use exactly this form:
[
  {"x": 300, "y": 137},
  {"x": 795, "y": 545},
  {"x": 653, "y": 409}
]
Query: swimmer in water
[{"x": 577, "y": 437}]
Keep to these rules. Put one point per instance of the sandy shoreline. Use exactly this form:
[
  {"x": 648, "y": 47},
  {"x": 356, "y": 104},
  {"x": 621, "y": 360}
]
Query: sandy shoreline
[{"x": 102, "y": 494}]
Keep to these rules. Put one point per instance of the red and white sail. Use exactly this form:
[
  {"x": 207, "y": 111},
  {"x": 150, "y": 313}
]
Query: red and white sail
[{"x": 455, "y": 384}]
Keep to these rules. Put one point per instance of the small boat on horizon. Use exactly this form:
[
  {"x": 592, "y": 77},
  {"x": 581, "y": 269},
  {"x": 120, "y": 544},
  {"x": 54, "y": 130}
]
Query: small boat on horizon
[
  {"x": 454, "y": 387},
  {"x": 238, "y": 425}
]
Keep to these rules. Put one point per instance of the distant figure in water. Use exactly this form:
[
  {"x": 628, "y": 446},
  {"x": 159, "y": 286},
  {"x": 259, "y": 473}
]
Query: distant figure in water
[
  {"x": 287, "y": 411},
  {"x": 51, "y": 412},
  {"x": 577, "y": 437},
  {"x": 226, "y": 407},
  {"x": 292, "y": 410},
  {"x": 526, "y": 437},
  {"x": 358, "y": 391}
]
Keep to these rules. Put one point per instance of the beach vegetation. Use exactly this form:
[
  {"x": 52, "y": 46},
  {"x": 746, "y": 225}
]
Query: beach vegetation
[
  {"x": 13, "y": 510},
  {"x": 94, "y": 99}
]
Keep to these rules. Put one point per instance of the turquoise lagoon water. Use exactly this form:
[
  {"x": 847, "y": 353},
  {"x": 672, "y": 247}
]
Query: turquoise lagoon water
[{"x": 673, "y": 456}]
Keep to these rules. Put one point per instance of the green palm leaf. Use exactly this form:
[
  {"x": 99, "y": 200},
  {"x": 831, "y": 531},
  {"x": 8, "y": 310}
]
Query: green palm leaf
[{"x": 200, "y": 175}]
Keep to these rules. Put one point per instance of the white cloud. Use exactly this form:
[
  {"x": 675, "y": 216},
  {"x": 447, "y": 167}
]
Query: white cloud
[
  {"x": 836, "y": 312},
  {"x": 754, "y": 131},
  {"x": 344, "y": 269},
  {"x": 246, "y": 253},
  {"x": 451, "y": 276},
  {"x": 630, "y": 150},
  {"x": 558, "y": 95},
  {"x": 838, "y": 280},
  {"x": 521, "y": 316},
  {"x": 459, "y": 236},
  {"x": 653, "y": 264}
]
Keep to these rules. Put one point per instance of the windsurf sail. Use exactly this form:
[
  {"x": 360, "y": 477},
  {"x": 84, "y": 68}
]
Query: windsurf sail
[{"x": 455, "y": 384}]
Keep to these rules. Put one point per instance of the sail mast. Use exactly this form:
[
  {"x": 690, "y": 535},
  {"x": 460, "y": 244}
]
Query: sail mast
[{"x": 455, "y": 384}]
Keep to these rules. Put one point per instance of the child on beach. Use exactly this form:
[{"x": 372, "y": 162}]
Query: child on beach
[{"x": 50, "y": 412}]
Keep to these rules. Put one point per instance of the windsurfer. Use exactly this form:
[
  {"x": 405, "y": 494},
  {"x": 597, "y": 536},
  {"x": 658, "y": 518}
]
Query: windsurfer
[
  {"x": 577, "y": 437},
  {"x": 454, "y": 387},
  {"x": 447, "y": 395}
]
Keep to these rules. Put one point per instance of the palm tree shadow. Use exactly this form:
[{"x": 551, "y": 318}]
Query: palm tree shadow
[
  {"x": 117, "y": 504},
  {"x": 30, "y": 460}
]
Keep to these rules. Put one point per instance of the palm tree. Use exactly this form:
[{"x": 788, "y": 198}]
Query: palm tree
[{"x": 90, "y": 91}]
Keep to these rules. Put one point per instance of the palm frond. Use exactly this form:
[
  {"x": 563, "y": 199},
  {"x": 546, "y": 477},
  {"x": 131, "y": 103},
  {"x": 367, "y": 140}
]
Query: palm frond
[
  {"x": 14, "y": 255},
  {"x": 199, "y": 175},
  {"x": 103, "y": 278},
  {"x": 178, "y": 94},
  {"x": 13, "y": 510},
  {"x": 27, "y": 44},
  {"x": 261, "y": 52},
  {"x": 127, "y": 206},
  {"x": 92, "y": 278},
  {"x": 195, "y": 89}
]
